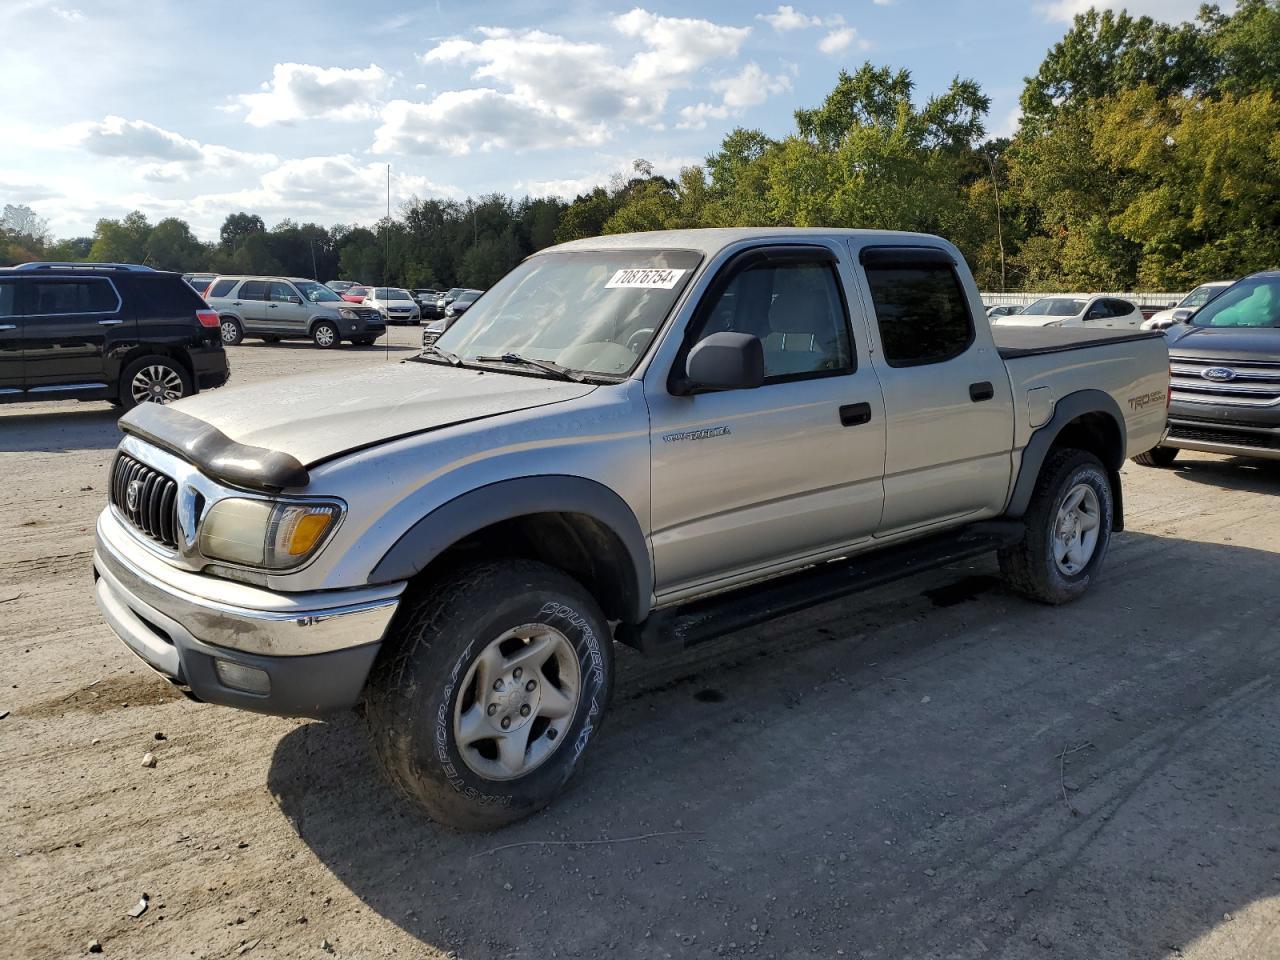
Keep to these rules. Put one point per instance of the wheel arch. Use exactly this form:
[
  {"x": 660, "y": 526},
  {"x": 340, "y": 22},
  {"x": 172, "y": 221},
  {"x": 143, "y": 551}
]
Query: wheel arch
[
  {"x": 178, "y": 355},
  {"x": 1088, "y": 420},
  {"x": 575, "y": 524}
]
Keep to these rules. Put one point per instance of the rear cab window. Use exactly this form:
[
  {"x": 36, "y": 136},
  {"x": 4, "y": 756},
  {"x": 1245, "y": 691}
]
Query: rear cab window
[{"x": 920, "y": 305}]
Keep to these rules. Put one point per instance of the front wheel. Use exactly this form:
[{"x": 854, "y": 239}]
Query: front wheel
[
  {"x": 325, "y": 335},
  {"x": 489, "y": 689},
  {"x": 1068, "y": 524},
  {"x": 1157, "y": 457}
]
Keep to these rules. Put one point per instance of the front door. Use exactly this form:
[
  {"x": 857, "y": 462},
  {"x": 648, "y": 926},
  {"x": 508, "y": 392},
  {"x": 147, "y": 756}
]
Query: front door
[
  {"x": 68, "y": 326},
  {"x": 10, "y": 339},
  {"x": 748, "y": 482},
  {"x": 285, "y": 310},
  {"x": 946, "y": 391}
]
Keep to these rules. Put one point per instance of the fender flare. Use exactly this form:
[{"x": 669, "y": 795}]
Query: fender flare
[
  {"x": 1067, "y": 409},
  {"x": 522, "y": 496}
]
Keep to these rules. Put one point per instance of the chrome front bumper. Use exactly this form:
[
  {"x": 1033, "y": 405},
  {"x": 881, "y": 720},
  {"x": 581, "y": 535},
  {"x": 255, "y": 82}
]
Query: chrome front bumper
[{"x": 310, "y": 653}]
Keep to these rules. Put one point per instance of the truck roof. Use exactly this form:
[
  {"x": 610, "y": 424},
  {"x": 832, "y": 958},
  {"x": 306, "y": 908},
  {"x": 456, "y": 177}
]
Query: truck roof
[{"x": 711, "y": 240}]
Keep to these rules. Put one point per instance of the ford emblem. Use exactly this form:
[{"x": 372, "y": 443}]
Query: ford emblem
[
  {"x": 131, "y": 495},
  {"x": 1219, "y": 374}
]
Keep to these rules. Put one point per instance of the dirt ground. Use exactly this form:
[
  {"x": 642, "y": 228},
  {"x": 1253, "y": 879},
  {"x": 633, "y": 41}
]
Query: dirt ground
[{"x": 938, "y": 769}]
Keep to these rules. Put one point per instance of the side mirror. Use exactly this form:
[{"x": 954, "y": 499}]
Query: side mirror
[
  {"x": 726, "y": 361},
  {"x": 1181, "y": 316}
]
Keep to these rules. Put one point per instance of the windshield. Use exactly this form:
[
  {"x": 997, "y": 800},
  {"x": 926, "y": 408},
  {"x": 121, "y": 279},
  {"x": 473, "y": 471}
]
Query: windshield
[
  {"x": 1054, "y": 307},
  {"x": 1250, "y": 303},
  {"x": 594, "y": 311},
  {"x": 467, "y": 297},
  {"x": 1200, "y": 296},
  {"x": 316, "y": 292},
  {"x": 391, "y": 293}
]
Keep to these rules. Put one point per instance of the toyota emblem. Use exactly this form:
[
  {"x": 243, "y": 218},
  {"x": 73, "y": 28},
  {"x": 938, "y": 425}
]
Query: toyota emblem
[
  {"x": 131, "y": 495},
  {"x": 1219, "y": 373}
]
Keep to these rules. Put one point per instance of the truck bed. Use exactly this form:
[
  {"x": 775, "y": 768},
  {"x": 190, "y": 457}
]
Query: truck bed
[{"x": 1014, "y": 342}]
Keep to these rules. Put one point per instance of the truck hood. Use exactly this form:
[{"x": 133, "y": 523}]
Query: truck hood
[
  {"x": 318, "y": 416},
  {"x": 1224, "y": 343}
]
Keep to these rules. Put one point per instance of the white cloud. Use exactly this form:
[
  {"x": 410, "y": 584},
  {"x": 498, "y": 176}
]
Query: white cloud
[
  {"x": 301, "y": 91},
  {"x": 1169, "y": 11},
  {"x": 541, "y": 89},
  {"x": 789, "y": 18},
  {"x": 458, "y": 121},
  {"x": 172, "y": 156},
  {"x": 327, "y": 188},
  {"x": 751, "y": 86},
  {"x": 838, "y": 40}
]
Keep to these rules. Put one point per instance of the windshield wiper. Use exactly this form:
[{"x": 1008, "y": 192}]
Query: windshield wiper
[{"x": 564, "y": 373}]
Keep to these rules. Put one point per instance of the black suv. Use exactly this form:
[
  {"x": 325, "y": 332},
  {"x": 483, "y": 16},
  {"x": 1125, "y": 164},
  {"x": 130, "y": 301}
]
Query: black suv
[{"x": 105, "y": 331}]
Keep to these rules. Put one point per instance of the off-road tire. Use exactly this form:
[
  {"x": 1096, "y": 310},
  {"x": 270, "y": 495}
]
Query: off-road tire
[
  {"x": 415, "y": 684},
  {"x": 1029, "y": 566},
  {"x": 331, "y": 341},
  {"x": 171, "y": 371},
  {"x": 231, "y": 331},
  {"x": 1157, "y": 457}
]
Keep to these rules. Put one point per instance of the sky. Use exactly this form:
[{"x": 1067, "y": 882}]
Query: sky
[{"x": 294, "y": 108}]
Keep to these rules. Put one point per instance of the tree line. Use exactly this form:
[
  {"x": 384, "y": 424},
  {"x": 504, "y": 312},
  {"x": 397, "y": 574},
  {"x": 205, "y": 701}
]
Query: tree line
[{"x": 1147, "y": 156}]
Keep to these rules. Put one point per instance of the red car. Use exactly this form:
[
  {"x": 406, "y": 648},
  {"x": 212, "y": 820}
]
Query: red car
[{"x": 354, "y": 294}]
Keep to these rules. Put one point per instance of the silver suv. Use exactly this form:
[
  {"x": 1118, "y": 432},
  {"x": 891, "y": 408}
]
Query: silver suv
[{"x": 290, "y": 308}]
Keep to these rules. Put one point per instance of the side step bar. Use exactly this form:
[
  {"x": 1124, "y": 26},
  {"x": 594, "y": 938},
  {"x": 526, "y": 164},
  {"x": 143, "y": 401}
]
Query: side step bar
[{"x": 674, "y": 628}]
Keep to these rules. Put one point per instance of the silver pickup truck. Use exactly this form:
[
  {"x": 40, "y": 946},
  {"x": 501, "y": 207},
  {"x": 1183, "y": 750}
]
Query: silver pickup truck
[{"x": 651, "y": 439}]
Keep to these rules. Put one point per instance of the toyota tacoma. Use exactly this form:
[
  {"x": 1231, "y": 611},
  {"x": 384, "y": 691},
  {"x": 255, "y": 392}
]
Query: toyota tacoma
[{"x": 651, "y": 439}]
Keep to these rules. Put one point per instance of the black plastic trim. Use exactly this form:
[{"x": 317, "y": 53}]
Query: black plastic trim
[
  {"x": 1066, "y": 410},
  {"x": 213, "y": 451},
  {"x": 471, "y": 512}
]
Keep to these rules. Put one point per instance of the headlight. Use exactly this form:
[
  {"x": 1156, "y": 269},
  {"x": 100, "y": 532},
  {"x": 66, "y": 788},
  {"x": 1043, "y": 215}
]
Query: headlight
[
  {"x": 346, "y": 314},
  {"x": 271, "y": 534},
  {"x": 450, "y": 312}
]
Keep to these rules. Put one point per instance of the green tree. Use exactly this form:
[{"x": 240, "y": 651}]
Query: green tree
[
  {"x": 172, "y": 246},
  {"x": 121, "y": 241}
]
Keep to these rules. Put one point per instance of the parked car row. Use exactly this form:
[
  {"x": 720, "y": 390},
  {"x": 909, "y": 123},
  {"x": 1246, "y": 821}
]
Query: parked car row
[{"x": 290, "y": 308}]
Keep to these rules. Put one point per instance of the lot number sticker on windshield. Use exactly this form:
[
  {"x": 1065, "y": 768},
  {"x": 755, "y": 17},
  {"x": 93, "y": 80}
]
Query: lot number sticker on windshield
[{"x": 645, "y": 278}]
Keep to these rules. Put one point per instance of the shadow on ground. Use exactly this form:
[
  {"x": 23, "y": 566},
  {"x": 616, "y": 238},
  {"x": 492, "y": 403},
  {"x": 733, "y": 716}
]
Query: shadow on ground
[
  {"x": 59, "y": 427},
  {"x": 936, "y": 769}
]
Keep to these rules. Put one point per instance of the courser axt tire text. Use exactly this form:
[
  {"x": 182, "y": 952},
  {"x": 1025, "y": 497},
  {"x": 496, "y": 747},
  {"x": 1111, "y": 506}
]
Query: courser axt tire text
[{"x": 490, "y": 686}]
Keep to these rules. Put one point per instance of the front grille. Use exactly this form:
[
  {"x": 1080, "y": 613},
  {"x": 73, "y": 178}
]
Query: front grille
[
  {"x": 1259, "y": 441},
  {"x": 1254, "y": 383},
  {"x": 153, "y": 509}
]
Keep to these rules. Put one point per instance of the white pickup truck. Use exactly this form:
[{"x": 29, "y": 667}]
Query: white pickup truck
[{"x": 650, "y": 438}]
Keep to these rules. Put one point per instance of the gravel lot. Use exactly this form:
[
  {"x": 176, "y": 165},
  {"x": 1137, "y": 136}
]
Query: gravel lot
[{"x": 883, "y": 777}]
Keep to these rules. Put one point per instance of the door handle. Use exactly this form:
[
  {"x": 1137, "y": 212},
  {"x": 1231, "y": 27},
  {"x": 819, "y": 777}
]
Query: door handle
[
  {"x": 8, "y": 326},
  {"x": 110, "y": 323},
  {"x": 853, "y": 414},
  {"x": 271, "y": 305},
  {"x": 981, "y": 391}
]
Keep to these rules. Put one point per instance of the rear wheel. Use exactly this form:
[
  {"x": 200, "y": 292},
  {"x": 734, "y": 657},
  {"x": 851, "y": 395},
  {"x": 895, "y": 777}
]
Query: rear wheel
[
  {"x": 153, "y": 379},
  {"x": 489, "y": 689},
  {"x": 1068, "y": 530},
  {"x": 1157, "y": 457},
  {"x": 325, "y": 335},
  {"x": 231, "y": 331}
]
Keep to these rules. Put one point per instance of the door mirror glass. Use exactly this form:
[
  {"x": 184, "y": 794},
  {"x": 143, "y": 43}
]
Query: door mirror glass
[
  {"x": 1181, "y": 316},
  {"x": 726, "y": 361}
]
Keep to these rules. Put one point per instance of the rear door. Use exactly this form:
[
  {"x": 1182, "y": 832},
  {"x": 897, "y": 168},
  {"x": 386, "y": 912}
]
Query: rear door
[
  {"x": 286, "y": 312},
  {"x": 69, "y": 326},
  {"x": 251, "y": 301},
  {"x": 948, "y": 402},
  {"x": 10, "y": 338}
]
